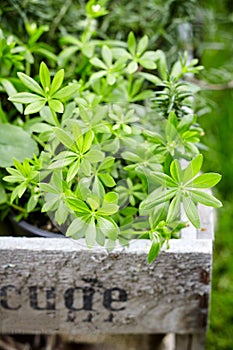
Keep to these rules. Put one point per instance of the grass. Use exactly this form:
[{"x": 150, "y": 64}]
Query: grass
[{"x": 218, "y": 124}]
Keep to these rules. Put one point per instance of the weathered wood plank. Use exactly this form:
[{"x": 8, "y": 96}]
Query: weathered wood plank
[
  {"x": 190, "y": 341},
  {"x": 58, "y": 286}
]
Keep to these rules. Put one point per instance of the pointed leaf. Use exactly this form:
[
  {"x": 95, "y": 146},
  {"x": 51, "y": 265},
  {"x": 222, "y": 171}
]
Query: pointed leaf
[
  {"x": 107, "y": 180},
  {"x": 191, "y": 212},
  {"x": 66, "y": 92},
  {"x": 25, "y": 97},
  {"x": 90, "y": 233},
  {"x": 44, "y": 76},
  {"x": 76, "y": 230},
  {"x": 57, "y": 81},
  {"x": 107, "y": 55},
  {"x": 64, "y": 137},
  {"x": 108, "y": 228},
  {"x": 95, "y": 156},
  {"x": 154, "y": 250},
  {"x": 30, "y": 83},
  {"x": 56, "y": 106},
  {"x": 207, "y": 180},
  {"x": 132, "y": 43},
  {"x": 34, "y": 107},
  {"x": 77, "y": 205},
  {"x": 88, "y": 138},
  {"x": 176, "y": 171},
  {"x": 193, "y": 168},
  {"x": 142, "y": 45},
  {"x": 205, "y": 198},
  {"x": 174, "y": 209}
]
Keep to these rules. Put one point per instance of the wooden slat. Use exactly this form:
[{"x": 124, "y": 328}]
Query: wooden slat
[
  {"x": 57, "y": 286},
  {"x": 190, "y": 341}
]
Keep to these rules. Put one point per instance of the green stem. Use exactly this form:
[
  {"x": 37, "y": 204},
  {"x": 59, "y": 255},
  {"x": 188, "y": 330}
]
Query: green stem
[
  {"x": 22, "y": 210},
  {"x": 55, "y": 117}
]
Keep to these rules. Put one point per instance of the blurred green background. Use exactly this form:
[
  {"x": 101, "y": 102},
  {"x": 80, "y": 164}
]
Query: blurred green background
[{"x": 216, "y": 51}]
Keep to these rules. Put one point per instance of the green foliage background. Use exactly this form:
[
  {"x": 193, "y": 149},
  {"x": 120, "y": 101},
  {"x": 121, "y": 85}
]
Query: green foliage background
[
  {"x": 213, "y": 32},
  {"x": 216, "y": 51}
]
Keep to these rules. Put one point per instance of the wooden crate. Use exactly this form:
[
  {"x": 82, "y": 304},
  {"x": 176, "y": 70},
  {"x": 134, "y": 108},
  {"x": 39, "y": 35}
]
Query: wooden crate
[{"x": 59, "y": 286}]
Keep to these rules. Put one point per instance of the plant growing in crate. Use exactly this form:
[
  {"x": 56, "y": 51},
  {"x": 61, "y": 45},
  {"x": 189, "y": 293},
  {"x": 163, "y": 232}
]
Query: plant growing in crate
[{"x": 102, "y": 155}]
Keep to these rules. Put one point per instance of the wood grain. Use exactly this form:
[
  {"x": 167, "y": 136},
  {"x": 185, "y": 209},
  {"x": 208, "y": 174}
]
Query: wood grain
[{"x": 57, "y": 286}]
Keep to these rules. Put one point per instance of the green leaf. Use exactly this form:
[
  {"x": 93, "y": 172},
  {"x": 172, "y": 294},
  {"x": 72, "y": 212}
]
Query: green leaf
[
  {"x": 132, "y": 67},
  {"x": 193, "y": 168},
  {"x": 76, "y": 230},
  {"x": 18, "y": 191},
  {"x": 97, "y": 75},
  {"x": 3, "y": 196},
  {"x": 48, "y": 188},
  {"x": 142, "y": 45},
  {"x": 100, "y": 237},
  {"x": 88, "y": 138},
  {"x": 207, "y": 180},
  {"x": 11, "y": 91},
  {"x": 56, "y": 106},
  {"x": 95, "y": 156},
  {"x": 34, "y": 107},
  {"x": 25, "y": 97},
  {"x": 111, "y": 78},
  {"x": 174, "y": 209},
  {"x": 150, "y": 77},
  {"x": 162, "y": 64},
  {"x": 205, "y": 198},
  {"x": 154, "y": 250},
  {"x": 30, "y": 83},
  {"x": 74, "y": 168},
  {"x": 93, "y": 201},
  {"x": 107, "y": 180},
  {"x": 90, "y": 233},
  {"x": 107, "y": 55},
  {"x": 64, "y": 137},
  {"x": 44, "y": 76},
  {"x": 66, "y": 92},
  {"x": 107, "y": 163},
  {"x": 176, "y": 171},
  {"x": 156, "y": 197},
  {"x": 108, "y": 209},
  {"x": 57, "y": 81},
  {"x": 146, "y": 63},
  {"x": 85, "y": 167},
  {"x": 131, "y": 157},
  {"x": 98, "y": 63},
  {"x": 15, "y": 143},
  {"x": 163, "y": 179},
  {"x": 111, "y": 197},
  {"x": 132, "y": 43},
  {"x": 50, "y": 204},
  {"x": 31, "y": 204},
  {"x": 191, "y": 212},
  {"x": 77, "y": 205},
  {"x": 108, "y": 228}
]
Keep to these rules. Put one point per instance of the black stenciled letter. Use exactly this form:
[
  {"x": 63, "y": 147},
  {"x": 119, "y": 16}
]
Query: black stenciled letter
[
  {"x": 87, "y": 298},
  {"x": 50, "y": 296},
  {"x": 109, "y": 299},
  {"x": 4, "y": 297}
]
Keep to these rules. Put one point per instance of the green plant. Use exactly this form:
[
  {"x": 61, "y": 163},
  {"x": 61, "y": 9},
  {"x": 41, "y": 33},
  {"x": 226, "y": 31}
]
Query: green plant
[{"x": 108, "y": 142}]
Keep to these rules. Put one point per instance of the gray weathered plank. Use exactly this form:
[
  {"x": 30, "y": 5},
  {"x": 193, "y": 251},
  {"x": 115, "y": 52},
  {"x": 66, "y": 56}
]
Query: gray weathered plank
[{"x": 58, "y": 286}]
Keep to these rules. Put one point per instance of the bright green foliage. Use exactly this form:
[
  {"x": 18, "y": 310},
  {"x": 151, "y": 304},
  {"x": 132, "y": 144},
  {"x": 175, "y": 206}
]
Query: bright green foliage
[
  {"x": 182, "y": 186},
  {"x": 15, "y": 143},
  {"x": 48, "y": 93},
  {"x": 104, "y": 134}
]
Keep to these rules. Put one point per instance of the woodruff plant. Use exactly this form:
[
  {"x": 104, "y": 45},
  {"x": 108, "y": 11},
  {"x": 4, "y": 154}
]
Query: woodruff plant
[{"x": 106, "y": 165}]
